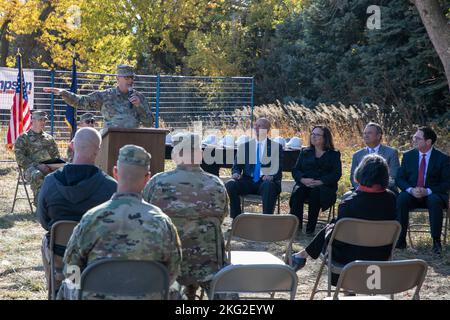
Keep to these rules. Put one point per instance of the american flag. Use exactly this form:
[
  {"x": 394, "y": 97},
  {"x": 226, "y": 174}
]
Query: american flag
[{"x": 20, "y": 120}]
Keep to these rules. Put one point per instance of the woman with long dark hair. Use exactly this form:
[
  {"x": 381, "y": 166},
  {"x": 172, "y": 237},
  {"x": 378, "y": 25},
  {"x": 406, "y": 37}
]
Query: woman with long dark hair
[{"x": 316, "y": 173}]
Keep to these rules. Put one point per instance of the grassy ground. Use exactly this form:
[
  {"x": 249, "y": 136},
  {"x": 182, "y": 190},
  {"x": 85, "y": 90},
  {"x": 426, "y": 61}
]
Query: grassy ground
[{"x": 22, "y": 276}]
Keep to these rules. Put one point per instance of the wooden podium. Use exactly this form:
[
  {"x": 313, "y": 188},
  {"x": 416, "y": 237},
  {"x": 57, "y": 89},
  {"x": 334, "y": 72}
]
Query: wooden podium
[{"x": 152, "y": 140}]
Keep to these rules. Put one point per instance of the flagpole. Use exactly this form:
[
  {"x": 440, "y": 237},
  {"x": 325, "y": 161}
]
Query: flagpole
[
  {"x": 74, "y": 67},
  {"x": 19, "y": 61}
]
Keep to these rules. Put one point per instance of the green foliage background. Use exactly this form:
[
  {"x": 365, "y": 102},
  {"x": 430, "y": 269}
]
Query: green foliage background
[{"x": 305, "y": 51}]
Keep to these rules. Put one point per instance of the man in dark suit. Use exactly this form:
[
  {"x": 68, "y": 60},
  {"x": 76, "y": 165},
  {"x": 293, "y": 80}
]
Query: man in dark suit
[
  {"x": 373, "y": 133},
  {"x": 424, "y": 178},
  {"x": 256, "y": 170}
]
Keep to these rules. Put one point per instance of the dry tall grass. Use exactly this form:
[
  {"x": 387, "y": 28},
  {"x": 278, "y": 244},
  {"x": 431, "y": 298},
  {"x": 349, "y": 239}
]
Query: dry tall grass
[{"x": 346, "y": 122}]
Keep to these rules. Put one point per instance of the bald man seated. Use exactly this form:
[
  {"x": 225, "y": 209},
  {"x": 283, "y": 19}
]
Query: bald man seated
[
  {"x": 69, "y": 192},
  {"x": 256, "y": 170}
]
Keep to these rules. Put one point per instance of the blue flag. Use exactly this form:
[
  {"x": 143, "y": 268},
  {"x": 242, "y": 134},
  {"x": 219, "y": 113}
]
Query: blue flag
[{"x": 71, "y": 112}]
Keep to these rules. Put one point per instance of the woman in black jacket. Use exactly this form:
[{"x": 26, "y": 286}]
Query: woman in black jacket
[
  {"x": 370, "y": 201},
  {"x": 316, "y": 173}
]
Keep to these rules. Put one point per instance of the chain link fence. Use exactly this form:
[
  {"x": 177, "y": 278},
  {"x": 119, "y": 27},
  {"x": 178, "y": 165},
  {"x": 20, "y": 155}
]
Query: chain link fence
[{"x": 176, "y": 101}]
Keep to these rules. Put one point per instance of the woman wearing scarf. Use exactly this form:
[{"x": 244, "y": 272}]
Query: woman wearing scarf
[{"x": 370, "y": 201}]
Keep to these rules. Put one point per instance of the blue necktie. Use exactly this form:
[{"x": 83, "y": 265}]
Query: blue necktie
[{"x": 256, "y": 172}]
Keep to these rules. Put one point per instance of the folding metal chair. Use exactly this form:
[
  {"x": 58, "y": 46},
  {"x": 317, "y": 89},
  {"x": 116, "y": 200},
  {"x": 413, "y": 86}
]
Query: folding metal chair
[
  {"x": 22, "y": 182},
  {"x": 419, "y": 227},
  {"x": 126, "y": 278},
  {"x": 259, "y": 278},
  {"x": 59, "y": 236},
  {"x": 257, "y": 199},
  {"x": 374, "y": 278},
  {"x": 357, "y": 232},
  {"x": 262, "y": 228},
  {"x": 331, "y": 215}
]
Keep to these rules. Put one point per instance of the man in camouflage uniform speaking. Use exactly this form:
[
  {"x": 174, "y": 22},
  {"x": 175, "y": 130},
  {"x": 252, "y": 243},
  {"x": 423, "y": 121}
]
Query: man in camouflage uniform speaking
[
  {"x": 197, "y": 203},
  {"x": 32, "y": 148},
  {"x": 121, "y": 107},
  {"x": 124, "y": 227}
]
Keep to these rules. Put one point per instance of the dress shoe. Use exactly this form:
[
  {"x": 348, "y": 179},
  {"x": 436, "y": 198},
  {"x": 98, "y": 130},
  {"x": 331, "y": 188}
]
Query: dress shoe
[
  {"x": 298, "y": 262},
  {"x": 437, "y": 247}
]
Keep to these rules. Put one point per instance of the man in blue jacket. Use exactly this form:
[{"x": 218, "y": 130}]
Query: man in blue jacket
[{"x": 69, "y": 192}]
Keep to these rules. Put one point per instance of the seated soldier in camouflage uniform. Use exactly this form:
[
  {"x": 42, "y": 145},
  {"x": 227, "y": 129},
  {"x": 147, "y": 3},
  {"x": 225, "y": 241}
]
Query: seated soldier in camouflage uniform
[
  {"x": 197, "y": 203},
  {"x": 32, "y": 148},
  {"x": 124, "y": 227},
  {"x": 121, "y": 107},
  {"x": 86, "y": 120}
]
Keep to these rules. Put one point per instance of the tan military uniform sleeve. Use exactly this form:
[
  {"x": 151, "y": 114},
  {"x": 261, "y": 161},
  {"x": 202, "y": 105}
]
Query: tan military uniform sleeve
[
  {"x": 53, "y": 150},
  {"x": 226, "y": 207},
  {"x": 144, "y": 112},
  {"x": 69, "y": 154},
  {"x": 147, "y": 193},
  {"x": 173, "y": 252},
  {"x": 21, "y": 151},
  {"x": 220, "y": 200},
  {"x": 92, "y": 100}
]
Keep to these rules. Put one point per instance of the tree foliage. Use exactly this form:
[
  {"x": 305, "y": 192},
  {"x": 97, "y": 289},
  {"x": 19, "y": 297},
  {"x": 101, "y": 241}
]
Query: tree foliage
[{"x": 308, "y": 51}]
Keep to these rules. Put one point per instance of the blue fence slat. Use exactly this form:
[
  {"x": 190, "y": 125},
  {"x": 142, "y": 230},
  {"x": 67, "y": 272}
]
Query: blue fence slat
[
  {"x": 52, "y": 103},
  {"x": 158, "y": 82}
]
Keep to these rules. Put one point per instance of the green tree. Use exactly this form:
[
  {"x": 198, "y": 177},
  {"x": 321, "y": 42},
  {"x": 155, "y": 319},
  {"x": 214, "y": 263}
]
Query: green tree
[{"x": 327, "y": 54}]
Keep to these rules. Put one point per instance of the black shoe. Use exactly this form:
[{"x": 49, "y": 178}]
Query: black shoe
[
  {"x": 298, "y": 262},
  {"x": 401, "y": 245},
  {"x": 437, "y": 247}
]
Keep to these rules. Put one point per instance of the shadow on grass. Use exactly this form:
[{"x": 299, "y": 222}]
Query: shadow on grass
[
  {"x": 18, "y": 270},
  {"x": 6, "y": 171},
  {"x": 423, "y": 250},
  {"x": 25, "y": 288},
  {"x": 8, "y": 220}
]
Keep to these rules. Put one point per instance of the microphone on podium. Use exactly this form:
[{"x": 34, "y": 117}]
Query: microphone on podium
[{"x": 130, "y": 93}]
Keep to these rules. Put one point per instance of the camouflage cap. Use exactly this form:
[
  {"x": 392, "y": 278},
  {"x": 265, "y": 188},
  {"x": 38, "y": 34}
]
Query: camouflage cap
[
  {"x": 134, "y": 155},
  {"x": 39, "y": 114},
  {"x": 187, "y": 140},
  {"x": 124, "y": 70},
  {"x": 87, "y": 116}
]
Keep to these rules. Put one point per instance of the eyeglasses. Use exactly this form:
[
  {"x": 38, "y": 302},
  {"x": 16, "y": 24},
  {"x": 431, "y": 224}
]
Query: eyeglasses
[
  {"x": 89, "y": 121},
  {"x": 316, "y": 134}
]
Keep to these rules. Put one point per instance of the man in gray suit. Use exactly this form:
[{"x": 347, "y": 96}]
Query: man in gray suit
[{"x": 372, "y": 136}]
